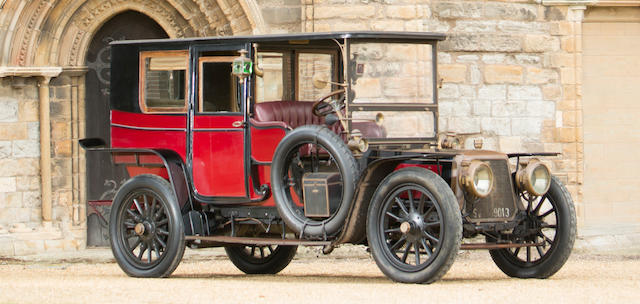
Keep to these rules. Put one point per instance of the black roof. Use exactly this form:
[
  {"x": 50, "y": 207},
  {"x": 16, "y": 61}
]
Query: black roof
[{"x": 409, "y": 37}]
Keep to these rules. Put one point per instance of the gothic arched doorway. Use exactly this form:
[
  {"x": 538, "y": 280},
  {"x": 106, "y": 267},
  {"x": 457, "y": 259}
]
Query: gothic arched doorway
[{"x": 103, "y": 179}]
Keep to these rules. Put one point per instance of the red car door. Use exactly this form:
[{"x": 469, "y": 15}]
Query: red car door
[{"x": 218, "y": 131}]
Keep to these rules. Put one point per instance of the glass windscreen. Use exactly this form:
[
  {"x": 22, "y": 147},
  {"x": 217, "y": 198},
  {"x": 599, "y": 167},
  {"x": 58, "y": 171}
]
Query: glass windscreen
[{"x": 392, "y": 90}]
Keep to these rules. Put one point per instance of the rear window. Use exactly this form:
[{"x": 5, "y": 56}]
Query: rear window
[{"x": 163, "y": 81}]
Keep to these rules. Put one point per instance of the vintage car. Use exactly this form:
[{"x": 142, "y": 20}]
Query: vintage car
[{"x": 261, "y": 144}]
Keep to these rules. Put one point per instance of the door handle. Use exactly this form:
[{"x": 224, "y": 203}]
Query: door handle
[{"x": 238, "y": 124}]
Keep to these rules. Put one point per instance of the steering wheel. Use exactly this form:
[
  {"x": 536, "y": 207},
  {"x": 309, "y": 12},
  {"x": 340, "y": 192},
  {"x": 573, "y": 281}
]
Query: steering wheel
[{"x": 321, "y": 107}]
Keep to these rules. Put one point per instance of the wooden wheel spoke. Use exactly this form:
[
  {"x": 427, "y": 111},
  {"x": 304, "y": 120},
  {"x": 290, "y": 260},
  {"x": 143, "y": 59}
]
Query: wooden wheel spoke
[
  {"x": 161, "y": 242},
  {"x": 421, "y": 203},
  {"x": 395, "y": 217},
  {"x": 405, "y": 254},
  {"x": 161, "y": 231},
  {"x": 392, "y": 230},
  {"x": 146, "y": 205},
  {"x": 431, "y": 224},
  {"x": 547, "y": 213},
  {"x": 402, "y": 206},
  {"x": 137, "y": 204},
  {"x": 426, "y": 248},
  {"x": 417, "y": 252},
  {"x": 429, "y": 210},
  {"x": 536, "y": 211},
  {"x": 399, "y": 243},
  {"x": 429, "y": 236},
  {"x": 411, "y": 205},
  {"x": 134, "y": 215}
]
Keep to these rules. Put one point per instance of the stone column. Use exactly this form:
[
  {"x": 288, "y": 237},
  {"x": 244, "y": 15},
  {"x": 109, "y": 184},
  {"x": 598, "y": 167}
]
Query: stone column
[{"x": 45, "y": 149}]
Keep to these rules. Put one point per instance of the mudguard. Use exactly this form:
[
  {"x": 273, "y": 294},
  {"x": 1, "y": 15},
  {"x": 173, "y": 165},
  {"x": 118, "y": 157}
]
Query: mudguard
[{"x": 176, "y": 168}]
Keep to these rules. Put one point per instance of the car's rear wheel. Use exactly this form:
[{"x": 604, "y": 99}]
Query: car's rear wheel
[
  {"x": 414, "y": 226},
  {"x": 254, "y": 259},
  {"x": 551, "y": 222},
  {"x": 147, "y": 232}
]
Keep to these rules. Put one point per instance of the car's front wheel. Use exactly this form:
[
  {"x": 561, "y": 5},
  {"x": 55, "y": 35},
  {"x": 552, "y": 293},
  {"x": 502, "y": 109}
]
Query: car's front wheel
[
  {"x": 551, "y": 231},
  {"x": 414, "y": 226}
]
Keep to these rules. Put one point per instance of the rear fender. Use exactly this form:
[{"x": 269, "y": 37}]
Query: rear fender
[{"x": 176, "y": 169}]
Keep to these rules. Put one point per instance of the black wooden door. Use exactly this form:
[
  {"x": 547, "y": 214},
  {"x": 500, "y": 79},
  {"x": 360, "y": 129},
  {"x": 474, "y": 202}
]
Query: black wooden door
[{"x": 103, "y": 178}]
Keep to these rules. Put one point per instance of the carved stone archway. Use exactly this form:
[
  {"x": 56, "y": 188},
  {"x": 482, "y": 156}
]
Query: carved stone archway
[{"x": 49, "y": 39}]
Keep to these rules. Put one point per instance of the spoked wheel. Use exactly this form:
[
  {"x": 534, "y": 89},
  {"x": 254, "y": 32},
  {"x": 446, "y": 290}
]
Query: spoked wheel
[
  {"x": 414, "y": 226},
  {"x": 254, "y": 259},
  {"x": 147, "y": 232},
  {"x": 550, "y": 226},
  {"x": 313, "y": 149}
]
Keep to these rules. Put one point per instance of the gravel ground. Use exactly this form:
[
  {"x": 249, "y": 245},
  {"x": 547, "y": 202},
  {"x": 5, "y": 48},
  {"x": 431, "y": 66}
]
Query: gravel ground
[{"x": 347, "y": 275}]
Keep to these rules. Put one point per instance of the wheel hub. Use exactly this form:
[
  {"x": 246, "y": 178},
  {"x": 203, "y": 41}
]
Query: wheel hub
[{"x": 139, "y": 229}]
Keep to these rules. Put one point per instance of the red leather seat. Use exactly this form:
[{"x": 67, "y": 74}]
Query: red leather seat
[{"x": 299, "y": 113}]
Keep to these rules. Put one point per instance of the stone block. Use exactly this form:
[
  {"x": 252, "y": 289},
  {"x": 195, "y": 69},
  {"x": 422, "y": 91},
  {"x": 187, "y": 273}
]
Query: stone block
[
  {"x": 562, "y": 60},
  {"x": 342, "y": 12},
  {"x": 503, "y": 74},
  {"x": 13, "y": 199},
  {"x": 282, "y": 15},
  {"x": 60, "y": 130},
  {"x": 53, "y": 245},
  {"x": 456, "y": 73},
  {"x": 5, "y": 149},
  {"x": 433, "y": 25},
  {"x": 565, "y": 135},
  {"x": 464, "y": 125},
  {"x": 541, "y": 76},
  {"x": 29, "y": 166},
  {"x": 527, "y": 59},
  {"x": 26, "y": 148},
  {"x": 568, "y": 44},
  {"x": 27, "y": 183},
  {"x": 467, "y": 91},
  {"x": 467, "y": 58},
  {"x": 401, "y": 11},
  {"x": 567, "y": 76},
  {"x": 8, "y": 109},
  {"x": 13, "y": 131},
  {"x": 476, "y": 75},
  {"x": 493, "y": 58},
  {"x": 28, "y": 247},
  {"x": 523, "y": 27},
  {"x": 29, "y": 111},
  {"x": 493, "y": 92},
  {"x": 388, "y": 25},
  {"x": 543, "y": 109},
  {"x": 444, "y": 58},
  {"x": 475, "y": 26},
  {"x": 481, "y": 108},
  {"x": 62, "y": 148},
  {"x": 510, "y": 143},
  {"x": 510, "y": 11},
  {"x": 31, "y": 199},
  {"x": 509, "y": 109},
  {"x": 497, "y": 126},
  {"x": 554, "y": 13},
  {"x": 449, "y": 90},
  {"x": 456, "y": 10},
  {"x": 540, "y": 43},
  {"x": 33, "y": 130},
  {"x": 524, "y": 93},
  {"x": 482, "y": 43},
  {"x": 8, "y": 184},
  {"x": 60, "y": 111}
]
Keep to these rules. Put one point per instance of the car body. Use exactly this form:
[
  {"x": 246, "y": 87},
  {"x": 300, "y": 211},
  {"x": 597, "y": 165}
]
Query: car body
[{"x": 264, "y": 143}]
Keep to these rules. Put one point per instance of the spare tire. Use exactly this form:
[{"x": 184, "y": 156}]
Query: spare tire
[{"x": 310, "y": 149}]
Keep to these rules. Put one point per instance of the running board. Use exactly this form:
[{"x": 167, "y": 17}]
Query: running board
[
  {"x": 495, "y": 246},
  {"x": 255, "y": 241}
]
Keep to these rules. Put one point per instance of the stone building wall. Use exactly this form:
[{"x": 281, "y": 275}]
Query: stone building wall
[
  {"x": 19, "y": 153},
  {"x": 507, "y": 68}
]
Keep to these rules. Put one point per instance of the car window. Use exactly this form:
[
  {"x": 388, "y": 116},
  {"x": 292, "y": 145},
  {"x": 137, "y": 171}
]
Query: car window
[
  {"x": 271, "y": 86},
  {"x": 163, "y": 81},
  {"x": 313, "y": 65},
  {"x": 218, "y": 87}
]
